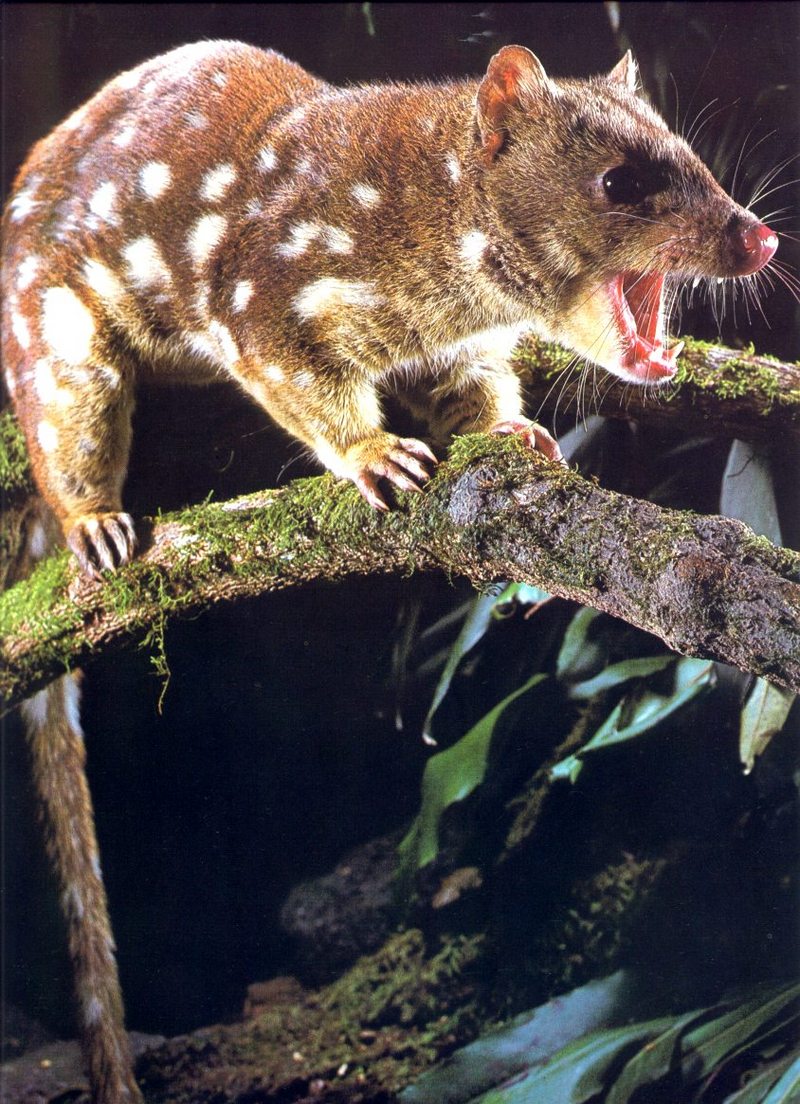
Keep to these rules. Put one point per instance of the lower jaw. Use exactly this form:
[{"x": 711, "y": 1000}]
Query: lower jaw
[{"x": 655, "y": 369}]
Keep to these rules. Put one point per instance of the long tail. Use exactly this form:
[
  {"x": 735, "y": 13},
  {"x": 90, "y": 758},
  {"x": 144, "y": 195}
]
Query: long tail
[{"x": 58, "y": 754}]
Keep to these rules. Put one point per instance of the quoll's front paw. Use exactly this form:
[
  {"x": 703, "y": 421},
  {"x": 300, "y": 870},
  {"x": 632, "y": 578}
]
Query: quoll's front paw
[
  {"x": 102, "y": 542},
  {"x": 534, "y": 435},
  {"x": 403, "y": 461}
]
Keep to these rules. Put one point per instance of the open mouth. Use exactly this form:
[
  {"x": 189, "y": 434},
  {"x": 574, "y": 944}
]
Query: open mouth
[{"x": 637, "y": 303}]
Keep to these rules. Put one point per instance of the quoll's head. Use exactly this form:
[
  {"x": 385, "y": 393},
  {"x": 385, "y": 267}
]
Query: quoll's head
[{"x": 609, "y": 205}]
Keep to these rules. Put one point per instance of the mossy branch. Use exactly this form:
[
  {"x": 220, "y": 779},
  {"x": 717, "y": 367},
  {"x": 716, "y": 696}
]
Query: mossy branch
[
  {"x": 716, "y": 391},
  {"x": 706, "y": 585}
]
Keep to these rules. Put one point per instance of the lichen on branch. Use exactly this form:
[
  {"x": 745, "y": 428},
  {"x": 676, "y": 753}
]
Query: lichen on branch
[{"x": 706, "y": 585}]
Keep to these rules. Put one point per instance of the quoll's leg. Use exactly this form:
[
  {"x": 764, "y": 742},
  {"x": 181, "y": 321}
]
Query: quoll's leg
[
  {"x": 338, "y": 415},
  {"x": 76, "y": 411},
  {"x": 487, "y": 399}
]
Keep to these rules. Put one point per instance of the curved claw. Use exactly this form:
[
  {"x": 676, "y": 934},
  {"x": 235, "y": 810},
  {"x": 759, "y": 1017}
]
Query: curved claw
[
  {"x": 534, "y": 435},
  {"x": 368, "y": 486},
  {"x": 102, "y": 542},
  {"x": 401, "y": 461}
]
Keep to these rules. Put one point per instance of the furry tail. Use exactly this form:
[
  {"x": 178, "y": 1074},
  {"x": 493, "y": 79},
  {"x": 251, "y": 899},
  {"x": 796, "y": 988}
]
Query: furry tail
[{"x": 58, "y": 755}]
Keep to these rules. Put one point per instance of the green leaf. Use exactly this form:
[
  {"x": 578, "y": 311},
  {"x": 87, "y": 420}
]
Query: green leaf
[
  {"x": 708, "y": 1045},
  {"x": 653, "y": 1062},
  {"x": 578, "y": 654},
  {"x": 763, "y": 716},
  {"x": 567, "y": 770},
  {"x": 644, "y": 710},
  {"x": 756, "y": 1090},
  {"x": 787, "y": 1090},
  {"x": 747, "y": 491},
  {"x": 451, "y": 776},
  {"x": 529, "y": 1039},
  {"x": 621, "y": 672},
  {"x": 578, "y": 1072},
  {"x": 640, "y": 711},
  {"x": 476, "y": 624},
  {"x": 522, "y": 593}
]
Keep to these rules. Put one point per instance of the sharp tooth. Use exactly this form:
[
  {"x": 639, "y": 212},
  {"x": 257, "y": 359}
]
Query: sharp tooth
[
  {"x": 695, "y": 282},
  {"x": 676, "y": 350},
  {"x": 720, "y": 280}
]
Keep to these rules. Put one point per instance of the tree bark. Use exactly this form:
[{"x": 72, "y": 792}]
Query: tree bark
[
  {"x": 716, "y": 391},
  {"x": 706, "y": 585}
]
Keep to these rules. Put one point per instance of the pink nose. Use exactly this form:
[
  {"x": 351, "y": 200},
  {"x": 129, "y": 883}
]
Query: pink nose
[{"x": 754, "y": 245}]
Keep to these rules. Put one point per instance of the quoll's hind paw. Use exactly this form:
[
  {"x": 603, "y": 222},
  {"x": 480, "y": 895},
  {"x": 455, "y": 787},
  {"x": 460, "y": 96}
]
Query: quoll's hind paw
[
  {"x": 102, "y": 542},
  {"x": 534, "y": 435},
  {"x": 403, "y": 461}
]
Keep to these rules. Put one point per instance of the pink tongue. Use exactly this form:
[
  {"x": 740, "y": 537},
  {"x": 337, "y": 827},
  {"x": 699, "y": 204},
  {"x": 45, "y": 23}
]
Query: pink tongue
[
  {"x": 644, "y": 299},
  {"x": 638, "y": 301}
]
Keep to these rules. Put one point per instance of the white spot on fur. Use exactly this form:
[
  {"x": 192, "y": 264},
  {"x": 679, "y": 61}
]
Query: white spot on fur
[
  {"x": 196, "y": 120},
  {"x": 202, "y": 345},
  {"x": 275, "y": 373},
  {"x": 472, "y": 247},
  {"x": 337, "y": 240},
  {"x": 72, "y": 704},
  {"x": 102, "y": 200},
  {"x": 37, "y": 542},
  {"x": 67, "y": 325},
  {"x": 242, "y": 294},
  {"x": 50, "y": 392},
  {"x": 303, "y": 379},
  {"x": 72, "y": 902},
  {"x": 34, "y": 710},
  {"x": 267, "y": 159},
  {"x": 301, "y": 236},
  {"x": 155, "y": 178},
  {"x": 27, "y": 271},
  {"x": 220, "y": 80},
  {"x": 145, "y": 264},
  {"x": 304, "y": 166},
  {"x": 217, "y": 181},
  {"x": 93, "y": 1012},
  {"x": 202, "y": 298},
  {"x": 129, "y": 79},
  {"x": 124, "y": 137},
  {"x": 205, "y": 236},
  {"x": 22, "y": 205},
  {"x": 366, "y": 195},
  {"x": 224, "y": 339},
  {"x": 102, "y": 280},
  {"x": 110, "y": 374},
  {"x": 76, "y": 118},
  {"x": 47, "y": 435},
  {"x": 453, "y": 167},
  {"x": 329, "y": 293},
  {"x": 19, "y": 328}
]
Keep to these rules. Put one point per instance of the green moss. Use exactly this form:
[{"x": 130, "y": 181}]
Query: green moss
[
  {"x": 592, "y": 933},
  {"x": 40, "y": 607},
  {"x": 401, "y": 984},
  {"x": 730, "y": 376},
  {"x": 546, "y": 359},
  {"x": 15, "y": 472}
]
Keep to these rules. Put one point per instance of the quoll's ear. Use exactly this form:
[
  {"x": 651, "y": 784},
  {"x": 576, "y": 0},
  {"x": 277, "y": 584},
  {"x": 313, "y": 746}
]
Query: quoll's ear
[
  {"x": 515, "y": 79},
  {"x": 625, "y": 72}
]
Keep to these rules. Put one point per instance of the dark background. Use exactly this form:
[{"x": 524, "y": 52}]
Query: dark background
[{"x": 277, "y": 749}]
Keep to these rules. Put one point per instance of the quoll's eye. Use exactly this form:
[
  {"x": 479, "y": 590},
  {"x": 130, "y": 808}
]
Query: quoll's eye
[{"x": 624, "y": 184}]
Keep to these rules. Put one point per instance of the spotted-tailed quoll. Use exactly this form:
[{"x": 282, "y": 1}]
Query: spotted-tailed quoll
[{"x": 219, "y": 212}]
